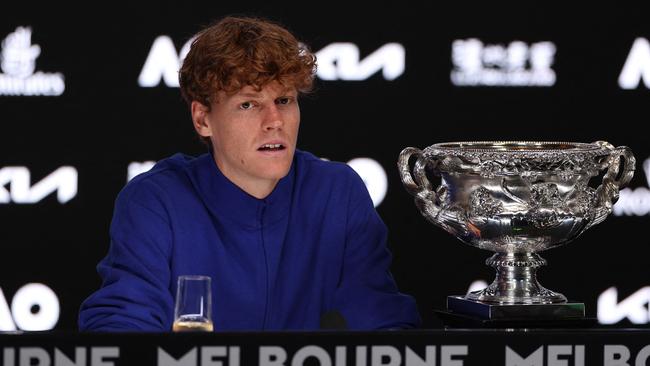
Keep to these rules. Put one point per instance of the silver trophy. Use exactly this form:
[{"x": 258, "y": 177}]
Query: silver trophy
[{"x": 516, "y": 198}]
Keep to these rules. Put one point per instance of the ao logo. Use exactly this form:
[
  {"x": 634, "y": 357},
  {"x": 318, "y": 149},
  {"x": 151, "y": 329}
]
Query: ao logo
[
  {"x": 373, "y": 176},
  {"x": 63, "y": 181},
  {"x": 372, "y": 173},
  {"x": 163, "y": 62},
  {"x": 34, "y": 307},
  {"x": 477, "y": 286},
  {"x": 337, "y": 61},
  {"x": 138, "y": 167},
  {"x": 637, "y": 66}
]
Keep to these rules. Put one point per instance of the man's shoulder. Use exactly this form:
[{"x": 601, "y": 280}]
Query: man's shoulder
[
  {"x": 168, "y": 174},
  {"x": 311, "y": 165},
  {"x": 325, "y": 175}
]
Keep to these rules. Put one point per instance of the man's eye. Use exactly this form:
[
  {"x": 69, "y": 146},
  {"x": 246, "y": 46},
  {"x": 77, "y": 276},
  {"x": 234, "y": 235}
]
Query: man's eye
[
  {"x": 285, "y": 100},
  {"x": 246, "y": 105}
]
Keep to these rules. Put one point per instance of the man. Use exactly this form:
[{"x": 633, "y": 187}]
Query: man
[{"x": 288, "y": 239}]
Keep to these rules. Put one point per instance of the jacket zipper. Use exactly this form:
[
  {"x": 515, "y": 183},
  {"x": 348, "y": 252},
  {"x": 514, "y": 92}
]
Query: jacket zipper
[{"x": 266, "y": 267}]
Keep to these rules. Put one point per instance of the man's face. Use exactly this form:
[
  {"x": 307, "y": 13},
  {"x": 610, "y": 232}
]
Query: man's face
[{"x": 253, "y": 134}]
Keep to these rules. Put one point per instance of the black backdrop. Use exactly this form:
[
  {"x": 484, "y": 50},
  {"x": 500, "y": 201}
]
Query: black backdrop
[{"x": 104, "y": 120}]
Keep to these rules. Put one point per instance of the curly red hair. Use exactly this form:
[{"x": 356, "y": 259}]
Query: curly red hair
[{"x": 240, "y": 51}]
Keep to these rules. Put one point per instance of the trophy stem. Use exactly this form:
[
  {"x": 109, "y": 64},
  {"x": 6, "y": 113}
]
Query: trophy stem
[{"x": 516, "y": 281}]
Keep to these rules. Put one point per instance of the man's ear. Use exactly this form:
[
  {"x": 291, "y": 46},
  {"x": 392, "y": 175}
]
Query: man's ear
[{"x": 200, "y": 118}]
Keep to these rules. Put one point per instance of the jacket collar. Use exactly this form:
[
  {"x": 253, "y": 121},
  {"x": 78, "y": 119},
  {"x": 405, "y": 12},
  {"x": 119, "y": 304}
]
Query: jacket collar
[{"x": 225, "y": 200}]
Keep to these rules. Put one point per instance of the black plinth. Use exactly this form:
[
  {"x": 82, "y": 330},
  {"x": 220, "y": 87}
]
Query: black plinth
[
  {"x": 455, "y": 320},
  {"x": 467, "y": 313}
]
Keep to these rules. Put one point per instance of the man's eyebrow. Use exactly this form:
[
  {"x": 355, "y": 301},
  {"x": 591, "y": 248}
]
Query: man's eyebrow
[
  {"x": 254, "y": 94},
  {"x": 288, "y": 92},
  {"x": 249, "y": 94}
]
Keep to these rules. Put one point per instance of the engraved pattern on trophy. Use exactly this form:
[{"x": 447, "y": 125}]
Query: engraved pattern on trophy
[{"x": 516, "y": 198}]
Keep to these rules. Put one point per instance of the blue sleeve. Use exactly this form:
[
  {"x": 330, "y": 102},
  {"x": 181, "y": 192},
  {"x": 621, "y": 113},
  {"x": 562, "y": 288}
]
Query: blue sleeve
[
  {"x": 135, "y": 294},
  {"x": 367, "y": 296}
]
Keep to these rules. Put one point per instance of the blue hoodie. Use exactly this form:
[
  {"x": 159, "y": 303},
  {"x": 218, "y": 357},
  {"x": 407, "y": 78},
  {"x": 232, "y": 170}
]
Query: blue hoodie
[{"x": 314, "y": 246}]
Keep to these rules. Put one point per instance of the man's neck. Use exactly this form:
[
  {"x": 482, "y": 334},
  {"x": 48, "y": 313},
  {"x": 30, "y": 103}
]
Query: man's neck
[{"x": 259, "y": 191}]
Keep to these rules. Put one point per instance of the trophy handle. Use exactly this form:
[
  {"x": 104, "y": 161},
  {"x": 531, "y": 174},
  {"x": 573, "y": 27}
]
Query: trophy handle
[
  {"x": 413, "y": 185},
  {"x": 617, "y": 176},
  {"x": 419, "y": 186}
]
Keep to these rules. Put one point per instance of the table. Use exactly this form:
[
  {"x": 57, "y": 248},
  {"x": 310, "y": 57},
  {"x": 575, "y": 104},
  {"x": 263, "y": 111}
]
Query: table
[{"x": 439, "y": 347}]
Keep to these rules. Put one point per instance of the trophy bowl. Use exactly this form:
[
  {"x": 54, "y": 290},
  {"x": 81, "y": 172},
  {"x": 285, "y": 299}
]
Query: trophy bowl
[{"x": 516, "y": 198}]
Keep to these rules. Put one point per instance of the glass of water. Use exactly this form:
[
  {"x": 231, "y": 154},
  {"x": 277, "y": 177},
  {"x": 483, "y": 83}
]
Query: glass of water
[{"x": 193, "y": 309}]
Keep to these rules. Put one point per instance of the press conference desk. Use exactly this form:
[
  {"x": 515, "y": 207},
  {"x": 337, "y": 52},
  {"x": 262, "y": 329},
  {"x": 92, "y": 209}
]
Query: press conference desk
[{"x": 330, "y": 348}]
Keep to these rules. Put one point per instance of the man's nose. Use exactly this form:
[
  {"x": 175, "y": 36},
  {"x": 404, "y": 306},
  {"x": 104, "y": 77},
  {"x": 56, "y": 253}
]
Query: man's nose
[{"x": 272, "y": 118}]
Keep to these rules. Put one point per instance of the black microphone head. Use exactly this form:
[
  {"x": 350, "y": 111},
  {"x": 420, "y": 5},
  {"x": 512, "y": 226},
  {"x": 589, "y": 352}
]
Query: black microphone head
[{"x": 333, "y": 320}]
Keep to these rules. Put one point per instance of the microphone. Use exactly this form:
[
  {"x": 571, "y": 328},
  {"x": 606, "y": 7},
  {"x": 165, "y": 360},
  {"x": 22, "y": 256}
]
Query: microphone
[{"x": 333, "y": 320}]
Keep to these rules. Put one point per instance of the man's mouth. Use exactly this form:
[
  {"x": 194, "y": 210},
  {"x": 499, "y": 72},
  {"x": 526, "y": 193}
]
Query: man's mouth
[{"x": 271, "y": 147}]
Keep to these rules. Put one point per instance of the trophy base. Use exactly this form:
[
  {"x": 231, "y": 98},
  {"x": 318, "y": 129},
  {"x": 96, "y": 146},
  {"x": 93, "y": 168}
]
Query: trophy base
[
  {"x": 455, "y": 320},
  {"x": 485, "y": 314}
]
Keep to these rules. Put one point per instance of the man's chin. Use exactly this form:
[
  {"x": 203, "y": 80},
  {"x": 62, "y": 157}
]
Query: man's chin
[
  {"x": 274, "y": 170},
  {"x": 279, "y": 174}
]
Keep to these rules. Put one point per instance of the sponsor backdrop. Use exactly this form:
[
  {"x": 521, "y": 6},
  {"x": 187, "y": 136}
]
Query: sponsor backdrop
[{"x": 90, "y": 98}]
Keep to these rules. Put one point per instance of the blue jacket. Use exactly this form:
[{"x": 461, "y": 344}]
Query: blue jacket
[{"x": 315, "y": 245}]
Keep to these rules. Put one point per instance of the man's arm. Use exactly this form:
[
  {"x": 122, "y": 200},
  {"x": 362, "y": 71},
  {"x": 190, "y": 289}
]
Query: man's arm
[
  {"x": 367, "y": 295},
  {"x": 135, "y": 274}
]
